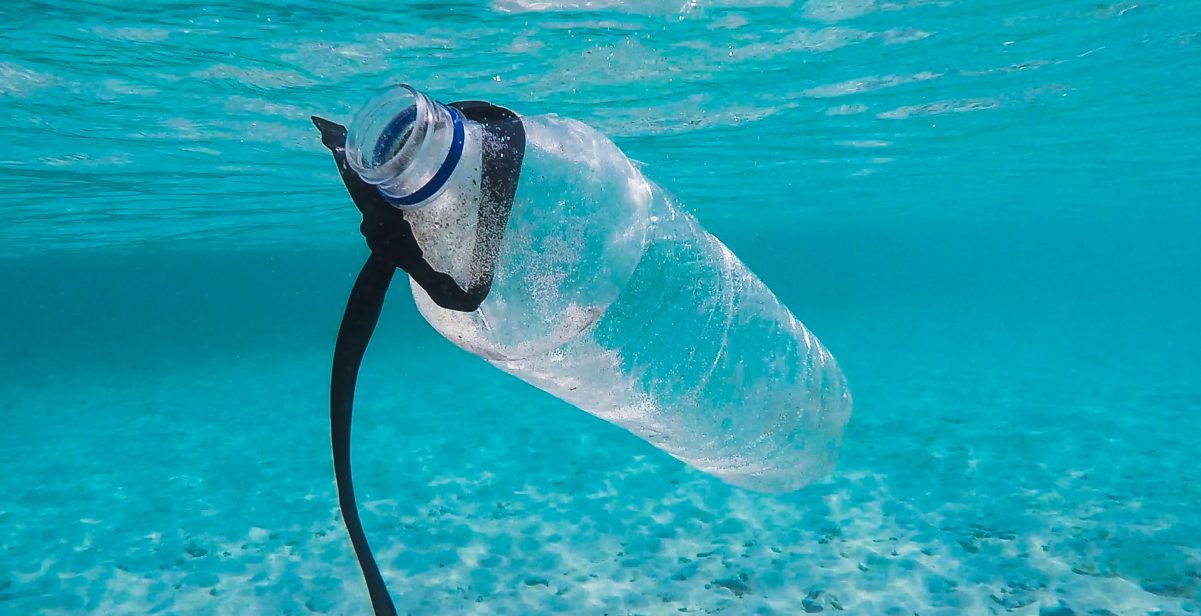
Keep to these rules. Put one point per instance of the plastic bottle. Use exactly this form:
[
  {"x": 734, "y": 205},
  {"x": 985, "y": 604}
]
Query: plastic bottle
[{"x": 608, "y": 295}]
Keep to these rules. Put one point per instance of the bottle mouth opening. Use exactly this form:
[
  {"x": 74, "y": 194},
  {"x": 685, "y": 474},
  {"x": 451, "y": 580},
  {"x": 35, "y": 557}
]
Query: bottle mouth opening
[
  {"x": 394, "y": 137},
  {"x": 405, "y": 144},
  {"x": 380, "y": 131}
]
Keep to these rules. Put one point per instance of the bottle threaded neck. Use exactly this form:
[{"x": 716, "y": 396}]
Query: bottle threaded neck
[{"x": 405, "y": 144}]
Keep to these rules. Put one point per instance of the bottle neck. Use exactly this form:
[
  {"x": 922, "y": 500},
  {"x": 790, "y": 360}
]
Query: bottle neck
[{"x": 405, "y": 144}]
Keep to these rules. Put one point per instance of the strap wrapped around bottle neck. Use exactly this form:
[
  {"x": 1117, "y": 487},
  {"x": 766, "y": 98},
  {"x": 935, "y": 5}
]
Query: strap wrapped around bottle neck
[{"x": 390, "y": 235}]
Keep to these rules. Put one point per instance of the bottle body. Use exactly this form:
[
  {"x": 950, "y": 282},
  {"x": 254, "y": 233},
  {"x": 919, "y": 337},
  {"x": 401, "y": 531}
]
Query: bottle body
[{"x": 607, "y": 295}]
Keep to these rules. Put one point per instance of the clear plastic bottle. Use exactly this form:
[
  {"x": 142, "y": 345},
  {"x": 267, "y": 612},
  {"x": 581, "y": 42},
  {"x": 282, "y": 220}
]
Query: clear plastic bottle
[{"x": 609, "y": 296}]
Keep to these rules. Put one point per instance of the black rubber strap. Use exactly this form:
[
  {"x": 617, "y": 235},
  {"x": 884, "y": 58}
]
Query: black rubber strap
[
  {"x": 393, "y": 246},
  {"x": 358, "y": 323}
]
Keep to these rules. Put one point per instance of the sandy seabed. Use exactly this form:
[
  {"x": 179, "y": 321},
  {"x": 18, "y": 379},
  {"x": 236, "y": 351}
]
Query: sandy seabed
[{"x": 205, "y": 487}]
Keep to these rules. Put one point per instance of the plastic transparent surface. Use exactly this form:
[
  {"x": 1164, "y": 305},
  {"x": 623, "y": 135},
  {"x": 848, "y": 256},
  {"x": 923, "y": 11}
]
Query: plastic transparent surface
[{"x": 610, "y": 297}]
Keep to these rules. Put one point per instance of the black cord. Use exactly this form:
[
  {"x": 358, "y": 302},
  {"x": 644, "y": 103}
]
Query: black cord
[{"x": 358, "y": 323}]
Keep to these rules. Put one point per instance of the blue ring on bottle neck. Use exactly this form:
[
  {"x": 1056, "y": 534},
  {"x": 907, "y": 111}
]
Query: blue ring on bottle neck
[{"x": 444, "y": 170}]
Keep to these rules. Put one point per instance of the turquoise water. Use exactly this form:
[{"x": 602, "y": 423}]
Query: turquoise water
[{"x": 988, "y": 211}]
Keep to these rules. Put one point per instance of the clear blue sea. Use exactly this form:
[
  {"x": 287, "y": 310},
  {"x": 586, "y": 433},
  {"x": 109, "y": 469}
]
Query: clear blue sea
[{"x": 989, "y": 211}]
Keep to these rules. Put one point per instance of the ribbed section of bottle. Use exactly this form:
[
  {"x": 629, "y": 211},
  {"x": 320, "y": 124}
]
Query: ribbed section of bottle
[
  {"x": 698, "y": 357},
  {"x": 612, "y": 298}
]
